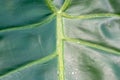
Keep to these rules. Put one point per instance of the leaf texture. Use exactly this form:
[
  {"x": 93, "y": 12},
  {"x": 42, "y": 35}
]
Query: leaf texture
[{"x": 59, "y": 40}]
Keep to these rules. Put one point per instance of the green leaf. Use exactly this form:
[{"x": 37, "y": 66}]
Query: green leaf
[
  {"x": 59, "y": 40},
  {"x": 78, "y": 7}
]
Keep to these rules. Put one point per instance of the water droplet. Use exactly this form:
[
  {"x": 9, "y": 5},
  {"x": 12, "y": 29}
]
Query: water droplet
[
  {"x": 76, "y": 78},
  {"x": 58, "y": 72},
  {"x": 73, "y": 72},
  {"x": 78, "y": 42}
]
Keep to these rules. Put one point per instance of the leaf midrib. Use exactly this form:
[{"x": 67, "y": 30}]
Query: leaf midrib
[{"x": 60, "y": 14}]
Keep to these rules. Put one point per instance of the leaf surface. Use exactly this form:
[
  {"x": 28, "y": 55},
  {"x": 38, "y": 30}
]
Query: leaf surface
[{"x": 59, "y": 40}]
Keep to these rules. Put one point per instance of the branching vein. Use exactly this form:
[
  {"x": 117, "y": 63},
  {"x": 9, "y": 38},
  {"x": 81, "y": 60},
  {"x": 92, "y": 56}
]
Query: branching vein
[
  {"x": 39, "y": 61},
  {"x": 93, "y": 45}
]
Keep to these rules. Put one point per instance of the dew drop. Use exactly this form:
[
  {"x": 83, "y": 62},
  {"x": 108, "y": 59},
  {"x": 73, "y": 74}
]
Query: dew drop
[
  {"x": 73, "y": 72},
  {"x": 78, "y": 42}
]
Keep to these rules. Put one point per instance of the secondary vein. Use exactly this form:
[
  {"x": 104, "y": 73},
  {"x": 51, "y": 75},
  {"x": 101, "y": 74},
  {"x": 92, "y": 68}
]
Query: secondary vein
[
  {"x": 29, "y": 26},
  {"x": 88, "y": 16},
  {"x": 39, "y": 61},
  {"x": 93, "y": 45}
]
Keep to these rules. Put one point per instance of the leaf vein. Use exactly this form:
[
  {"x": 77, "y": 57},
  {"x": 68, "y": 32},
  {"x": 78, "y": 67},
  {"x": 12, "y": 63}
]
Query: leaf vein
[{"x": 93, "y": 45}]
